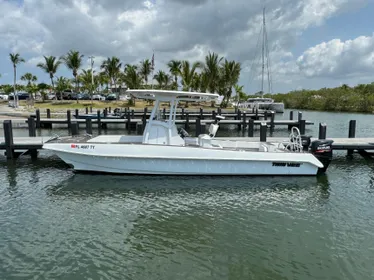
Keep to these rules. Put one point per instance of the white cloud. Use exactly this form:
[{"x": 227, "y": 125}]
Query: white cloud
[
  {"x": 338, "y": 58},
  {"x": 174, "y": 29}
]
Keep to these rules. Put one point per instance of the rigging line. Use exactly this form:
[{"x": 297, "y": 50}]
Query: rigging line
[
  {"x": 263, "y": 52},
  {"x": 268, "y": 62},
  {"x": 251, "y": 75}
]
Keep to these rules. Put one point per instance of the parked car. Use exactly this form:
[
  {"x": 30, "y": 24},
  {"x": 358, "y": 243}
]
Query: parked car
[
  {"x": 67, "y": 95},
  {"x": 98, "y": 97},
  {"x": 3, "y": 97},
  {"x": 111, "y": 96},
  {"x": 20, "y": 95},
  {"x": 84, "y": 96},
  {"x": 124, "y": 97},
  {"x": 51, "y": 96}
]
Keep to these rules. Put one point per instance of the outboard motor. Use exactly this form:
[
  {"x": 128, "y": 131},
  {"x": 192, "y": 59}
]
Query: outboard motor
[
  {"x": 305, "y": 141},
  {"x": 322, "y": 150}
]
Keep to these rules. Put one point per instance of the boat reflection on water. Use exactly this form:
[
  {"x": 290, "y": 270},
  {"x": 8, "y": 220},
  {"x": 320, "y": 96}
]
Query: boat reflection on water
[{"x": 101, "y": 185}]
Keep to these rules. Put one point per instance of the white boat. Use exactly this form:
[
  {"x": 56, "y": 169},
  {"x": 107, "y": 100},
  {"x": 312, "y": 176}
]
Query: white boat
[
  {"x": 262, "y": 103},
  {"x": 162, "y": 149}
]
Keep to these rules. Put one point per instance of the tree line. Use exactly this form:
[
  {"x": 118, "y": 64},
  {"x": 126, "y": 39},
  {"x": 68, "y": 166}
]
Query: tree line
[
  {"x": 215, "y": 74},
  {"x": 358, "y": 98}
]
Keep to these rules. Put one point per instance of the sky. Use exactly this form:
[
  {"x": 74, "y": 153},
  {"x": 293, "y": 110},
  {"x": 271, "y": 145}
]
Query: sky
[{"x": 312, "y": 43}]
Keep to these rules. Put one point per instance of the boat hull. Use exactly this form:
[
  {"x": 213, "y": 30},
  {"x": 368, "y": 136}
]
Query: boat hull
[{"x": 170, "y": 160}]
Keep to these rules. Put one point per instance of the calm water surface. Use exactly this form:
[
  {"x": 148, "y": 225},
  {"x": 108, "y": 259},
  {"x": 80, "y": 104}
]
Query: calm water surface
[{"x": 56, "y": 224}]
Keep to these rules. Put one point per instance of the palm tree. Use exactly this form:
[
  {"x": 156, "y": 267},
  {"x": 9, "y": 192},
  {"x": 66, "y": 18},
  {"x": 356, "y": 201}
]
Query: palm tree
[
  {"x": 196, "y": 80},
  {"x": 103, "y": 79},
  {"x": 132, "y": 78},
  {"x": 174, "y": 69},
  {"x": 73, "y": 61},
  {"x": 29, "y": 77},
  {"x": 86, "y": 80},
  {"x": 50, "y": 66},
  {"x": 187, "y": 73},
  {"x": 16, "y": 59},
  {"x": 240, "y": 94},
  {"x": 112, "y": 68},
  {"x": 62, "y": 84},
  {"x": 145, "y": 69},
  {"x": 211, "y": 68},
  {"x": 229, "y": 76},
  {"x": 204, "y": 81},
  {"x": 162, "y": 79}
]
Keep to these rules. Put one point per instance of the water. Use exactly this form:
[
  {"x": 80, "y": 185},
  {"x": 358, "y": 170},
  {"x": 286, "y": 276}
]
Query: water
[{"x": 59, "y": 225}]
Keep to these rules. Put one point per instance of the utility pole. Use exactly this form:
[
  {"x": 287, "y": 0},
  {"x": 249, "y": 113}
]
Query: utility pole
[{"x": 92, "y": 77}]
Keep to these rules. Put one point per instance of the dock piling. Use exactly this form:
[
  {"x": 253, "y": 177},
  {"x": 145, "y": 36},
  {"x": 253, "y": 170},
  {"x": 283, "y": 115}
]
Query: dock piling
[
  {"x": 291, "y": 115},
  {"x": 68, "y": 117},
  {"x": 74, "y": 128},
  {"x": 99, "y": 121},
  {"x": 322, "y": 131},
  {"x": 351, "y": 134},
  {"x": 272, "y": 117},
  {"x": 187, "y": 123},
  {"x": 302, "y": 127},
  {"x": 299, "y": 116},
  {"x": 239, "y": 117},
  {"x": 8, "y": 134},
  {"x": 32, "y": 126},
  {"x": 144, "y": 122},
  {"x": 128, "y": 121},
  {"x": 139, "y": 128},
  {"x": 86, "y": 110},
  {"x": 76, "y": 113},
  {"x": 198, "y": 127},
  {"x": 89, "y": 126},
  {"x": 263, "y": 128},
  {"x": 48, "y": 113},
  {"x": 244, "y": 121},
  {"x": 90, "y": 109},
  {"x": 251, "y": 126},
  {"x": 37, "y": 113}
]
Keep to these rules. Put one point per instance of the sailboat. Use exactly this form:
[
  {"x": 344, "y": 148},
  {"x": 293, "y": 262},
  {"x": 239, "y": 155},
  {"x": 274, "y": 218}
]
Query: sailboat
[{"x": 264, "y": 102}]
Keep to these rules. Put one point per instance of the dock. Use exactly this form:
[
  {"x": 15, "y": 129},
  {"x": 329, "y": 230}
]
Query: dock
[
  {"x": 136, "y": 121},
  {"x": 16, "y": 146}
]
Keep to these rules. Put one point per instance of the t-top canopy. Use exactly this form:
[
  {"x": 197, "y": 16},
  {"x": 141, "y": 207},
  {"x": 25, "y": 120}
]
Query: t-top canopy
[{"x": 168, "y": 95}]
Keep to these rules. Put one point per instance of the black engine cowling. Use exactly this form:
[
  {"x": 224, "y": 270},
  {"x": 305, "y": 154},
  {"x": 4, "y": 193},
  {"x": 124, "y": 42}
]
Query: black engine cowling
[{"x": 322, "y": 150}]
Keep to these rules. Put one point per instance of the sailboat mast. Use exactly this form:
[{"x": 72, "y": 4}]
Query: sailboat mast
[{"x": 263, "y": 52}]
